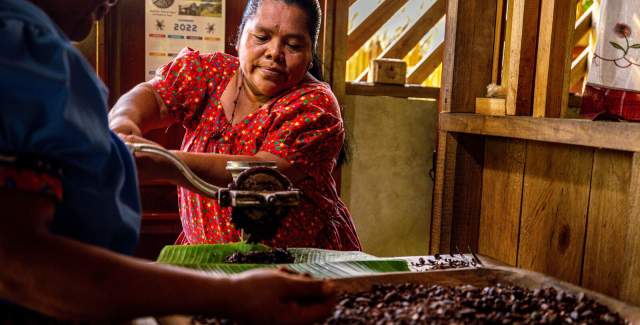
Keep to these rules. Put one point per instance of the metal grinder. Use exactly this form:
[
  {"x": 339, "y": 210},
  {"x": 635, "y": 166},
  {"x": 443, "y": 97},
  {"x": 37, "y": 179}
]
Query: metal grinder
[{"x": 259, "y": 196}]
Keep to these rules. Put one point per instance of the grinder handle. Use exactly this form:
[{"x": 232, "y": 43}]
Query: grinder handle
[{"x": 205, "y": 188}]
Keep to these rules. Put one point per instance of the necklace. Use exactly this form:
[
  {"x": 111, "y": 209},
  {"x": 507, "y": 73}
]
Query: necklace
[{"x": 235, "y": 101}]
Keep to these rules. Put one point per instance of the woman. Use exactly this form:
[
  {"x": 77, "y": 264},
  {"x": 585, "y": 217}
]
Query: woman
[
  {"x": 70, "y": 206},
  {"x": 264, "y": 105}
]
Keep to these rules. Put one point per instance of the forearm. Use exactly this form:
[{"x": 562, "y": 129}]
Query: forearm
[
  {"x": 140, "y": 106},
  {"x": 77, "y": 281},
  {"x": 210, "y": 167}
]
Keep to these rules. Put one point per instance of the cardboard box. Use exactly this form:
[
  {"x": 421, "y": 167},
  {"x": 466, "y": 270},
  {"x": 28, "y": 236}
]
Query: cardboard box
[{"x": 388, "y": 71}]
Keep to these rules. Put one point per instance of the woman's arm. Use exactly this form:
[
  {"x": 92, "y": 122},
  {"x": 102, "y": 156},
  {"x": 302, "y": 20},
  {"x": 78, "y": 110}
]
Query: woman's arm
[
  {"x": 68, "y": 279},
  {"x": 211, "y": 167},
  {"x": 139, "y": 111}
]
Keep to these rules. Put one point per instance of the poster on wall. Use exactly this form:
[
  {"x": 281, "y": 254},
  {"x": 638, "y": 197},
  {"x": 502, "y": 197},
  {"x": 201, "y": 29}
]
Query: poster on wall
[{"x": 171, "y": 25}]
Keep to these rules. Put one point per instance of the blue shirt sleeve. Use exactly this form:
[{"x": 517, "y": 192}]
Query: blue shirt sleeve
[{"x": 52, "y": 105}]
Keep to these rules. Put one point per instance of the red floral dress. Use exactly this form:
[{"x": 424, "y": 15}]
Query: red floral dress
[{"x": 303, "y": 126}]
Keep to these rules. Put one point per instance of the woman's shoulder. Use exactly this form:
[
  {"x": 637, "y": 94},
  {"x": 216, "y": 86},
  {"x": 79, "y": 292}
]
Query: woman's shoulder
[
  {"x": 217, "y": 59},
  {"x": 221, "y": 58},
  {"x": 311, "y": 93}
]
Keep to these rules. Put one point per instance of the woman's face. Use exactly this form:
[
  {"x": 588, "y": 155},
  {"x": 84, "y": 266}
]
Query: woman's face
[{"x": 275, "y": 48}]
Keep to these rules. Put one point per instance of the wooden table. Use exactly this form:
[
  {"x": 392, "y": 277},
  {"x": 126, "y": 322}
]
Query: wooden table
[{"x": 491, "y": 273}]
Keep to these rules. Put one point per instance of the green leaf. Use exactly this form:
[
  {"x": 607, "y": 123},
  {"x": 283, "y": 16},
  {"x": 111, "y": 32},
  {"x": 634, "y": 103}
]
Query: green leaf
[
  {"x": 618, "y": 46},
  {"x": 204, "y": 254},
  {"x": 317, "y": 262},
  {"x": 635, "y": 46}
]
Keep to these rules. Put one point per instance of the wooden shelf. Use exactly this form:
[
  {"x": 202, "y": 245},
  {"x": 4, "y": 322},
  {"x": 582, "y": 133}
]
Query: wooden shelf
[
  {"x": 623, "y": 136},
  {"x": 409, "y": 90}
]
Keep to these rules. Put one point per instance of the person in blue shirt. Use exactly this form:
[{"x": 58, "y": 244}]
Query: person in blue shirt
[{"x": 68, "y": 192}]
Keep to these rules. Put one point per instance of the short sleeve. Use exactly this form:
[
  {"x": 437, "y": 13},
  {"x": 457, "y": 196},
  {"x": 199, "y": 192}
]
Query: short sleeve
[
  {"x": 54, "y": 107},
  {"x": 30, "y": 175},
  {"x": 308, "y": 131},
  {"x": 183, "y": 84}
]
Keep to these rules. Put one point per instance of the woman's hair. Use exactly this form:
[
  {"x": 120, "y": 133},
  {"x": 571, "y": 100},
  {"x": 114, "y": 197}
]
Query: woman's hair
[{"x": 314, "y": 22}]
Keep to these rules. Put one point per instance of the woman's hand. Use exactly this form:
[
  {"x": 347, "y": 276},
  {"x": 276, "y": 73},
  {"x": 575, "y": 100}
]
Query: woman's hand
[
  {"x": 152, "y": 167},
  {"x": 124, "y": 126},
  {"x": 279, "y": 297}
]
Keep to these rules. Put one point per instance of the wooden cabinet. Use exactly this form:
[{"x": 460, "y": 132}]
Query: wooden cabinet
[{"x": 553, "y": 195}]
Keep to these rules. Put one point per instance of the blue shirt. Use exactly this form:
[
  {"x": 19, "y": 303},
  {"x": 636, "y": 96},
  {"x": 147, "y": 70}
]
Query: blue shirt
[{"x": 53, "y": 106}]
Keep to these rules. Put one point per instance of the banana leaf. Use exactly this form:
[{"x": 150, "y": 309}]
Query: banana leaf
[{"x": 320, "y": 263}]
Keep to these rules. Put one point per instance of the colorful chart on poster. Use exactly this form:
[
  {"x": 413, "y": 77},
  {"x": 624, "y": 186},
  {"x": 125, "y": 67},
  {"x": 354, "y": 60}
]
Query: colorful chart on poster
[{"x": 171, "y": 25}]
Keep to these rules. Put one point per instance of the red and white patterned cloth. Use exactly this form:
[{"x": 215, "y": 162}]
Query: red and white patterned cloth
[
  {"x": 613, "y": 85},
  {"x": 303, "y": 126}
]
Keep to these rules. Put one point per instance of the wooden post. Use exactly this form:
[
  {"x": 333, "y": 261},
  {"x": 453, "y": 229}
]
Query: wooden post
[
  {"x": 340, "y": 29},
  {"x": 467, "y": 70},
  {"x": 553, "y": 67},
  {"x": 498, "y": 46},
  {"x": 468, "y": 53},
  {"x": 520, "y": 76},
  {"x": 325, "y": 41},
  {"x": 442, "y": 208}
]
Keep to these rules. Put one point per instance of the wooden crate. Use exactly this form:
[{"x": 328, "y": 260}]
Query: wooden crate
[{"x": 478, "y": 277}]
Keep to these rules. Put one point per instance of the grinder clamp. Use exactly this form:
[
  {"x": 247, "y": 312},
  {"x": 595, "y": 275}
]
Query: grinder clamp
[{"x": 259, "y": 197}]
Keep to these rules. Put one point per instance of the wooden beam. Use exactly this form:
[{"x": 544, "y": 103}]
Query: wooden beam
[
  {"x": 583, "y": 26},
  {"x": 520, "y": 75},
  {"x": 325, "y": 49},
  {"x": 351, "y": 2},
  {"x": 623, "y": 136},
  {"x": 442, "y": 209},
  {"x": 467, "y": 195},
  {"x": 555, "y": 43},
  {"x": 372, "y": 24},
  {"x": 468, "y": 53},
  {"x": 579, "y": 67},
  {"x": 426, "y": 66},
  {"x": 507, "y": 43},
  {"x": 410, "y": 37},
  {"x": 339, "y": 67},
  {"x": 497, "y": 41},
  {"x": 370, "y": 89}
]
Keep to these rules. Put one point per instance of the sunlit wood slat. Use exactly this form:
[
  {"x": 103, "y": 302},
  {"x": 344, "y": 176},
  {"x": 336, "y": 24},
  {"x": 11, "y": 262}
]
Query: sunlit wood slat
[
  {"x": 414, "y": 34},
  {"x": 553, "y": 64},
  {"x": 426, "y": 66},
  {"x": 579, "y": 67},
  {"x": 519, "y": 69},
  {"x": 583, "y": 25},
  {"x": 372, "y": 24},
  {"x": 410, "y": 37},
  {"x": 498, "y": 41}
]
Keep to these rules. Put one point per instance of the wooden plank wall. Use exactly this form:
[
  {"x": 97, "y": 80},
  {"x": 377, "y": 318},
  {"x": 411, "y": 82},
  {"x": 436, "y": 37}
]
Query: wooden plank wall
[
  {"x": 502, "y": 180},
  {"x": 469, "y": 55},
  {"x": 555, "y": 200},
  {"x": 553, "y": 203},
  {"x": 563, "y": 210}
]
